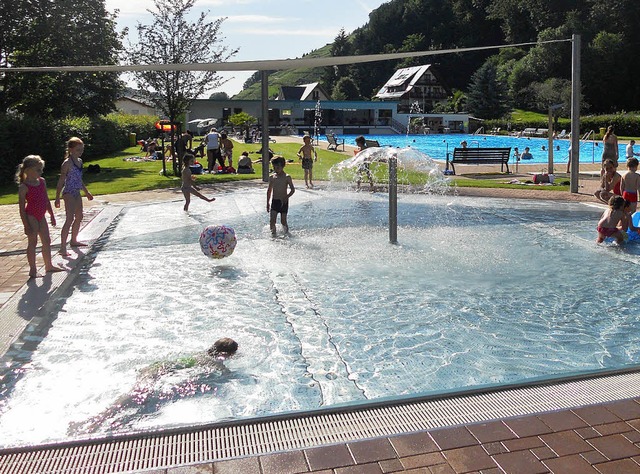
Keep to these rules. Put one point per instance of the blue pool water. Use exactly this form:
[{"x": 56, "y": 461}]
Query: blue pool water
[
  {"x": 477, "y": 292},
  {"x": 438, "y": 145}
]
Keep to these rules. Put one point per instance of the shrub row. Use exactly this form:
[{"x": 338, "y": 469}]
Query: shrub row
[
  {"x": 45, "y": 137},
  {"x": 624, "y": 124}
]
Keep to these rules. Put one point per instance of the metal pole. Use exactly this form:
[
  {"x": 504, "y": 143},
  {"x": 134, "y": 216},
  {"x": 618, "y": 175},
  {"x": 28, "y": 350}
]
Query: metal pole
[
  {"x": 575, "y": 111},
  {"x": 393, "y": 199},
  {"x": 550, "y": 141},
  {"x": 265, "y": 125}
]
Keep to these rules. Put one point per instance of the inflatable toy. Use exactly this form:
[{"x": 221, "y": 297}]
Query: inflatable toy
[{"x": 218, "y": 241}]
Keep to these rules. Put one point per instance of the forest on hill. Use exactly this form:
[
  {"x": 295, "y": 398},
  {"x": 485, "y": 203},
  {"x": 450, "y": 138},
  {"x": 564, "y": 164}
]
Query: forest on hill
[{"x": 528, "y": 77}]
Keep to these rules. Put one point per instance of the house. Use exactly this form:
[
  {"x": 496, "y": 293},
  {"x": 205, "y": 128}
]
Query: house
[
  {"x": 132, "y": 106},
  {"x": 417, "y": 89},
  {"x": 348, "y": 117},
  {"x": 307, "y": 108},
  {"x": 313, "y": 91}
]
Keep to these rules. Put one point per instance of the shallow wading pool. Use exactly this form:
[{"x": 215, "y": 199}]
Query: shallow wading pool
[{"x": 477, "y": 292}]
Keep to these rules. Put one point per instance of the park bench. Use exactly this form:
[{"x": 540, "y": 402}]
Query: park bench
[
  {"x": 480, "y": 156},
  {"x": 371, "y": 143},
  {"x": 334, "y": 143}
]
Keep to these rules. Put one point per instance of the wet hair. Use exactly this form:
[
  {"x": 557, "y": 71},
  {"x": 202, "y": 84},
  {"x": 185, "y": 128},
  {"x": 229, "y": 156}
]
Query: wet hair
[
  {"x": 30, "y": 161},
  {"x": 224, "y": 347},
  {"x": 72, "y": 143},
  {"x": 245, "y": 153},
  {"x": 616, "y": 202},
  {"x": 632, "y": 163},
  {"x": 608, "y": 161},
  {"x": 186, "y": 159},
  {"x": 360, "y": 140},
  {"x": 278, "y": 161}
]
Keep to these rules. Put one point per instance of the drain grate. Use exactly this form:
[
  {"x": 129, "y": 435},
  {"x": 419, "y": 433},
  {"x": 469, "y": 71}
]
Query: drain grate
[{"x": 202, "y": 444}]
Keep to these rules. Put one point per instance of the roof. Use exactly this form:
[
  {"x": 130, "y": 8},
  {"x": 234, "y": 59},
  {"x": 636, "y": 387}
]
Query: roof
[
  {"x": 402, "y": 82},
  {"x": 301, "y": 92},
  {"x": 136, "y": 100}
]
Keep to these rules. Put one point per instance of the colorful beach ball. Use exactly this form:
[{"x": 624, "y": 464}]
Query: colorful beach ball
[{"x": 218, "y": 241}]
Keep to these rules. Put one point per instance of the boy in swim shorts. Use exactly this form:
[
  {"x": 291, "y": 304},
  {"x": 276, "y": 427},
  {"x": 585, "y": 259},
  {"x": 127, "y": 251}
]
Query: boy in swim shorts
[
  {"x": 630, "y": 184},
  {"x": 307, "y": 153},
  {"x": 279, "y": 183}
]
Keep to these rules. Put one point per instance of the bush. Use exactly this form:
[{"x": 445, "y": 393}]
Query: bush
[{"x": 23, "y": 136}]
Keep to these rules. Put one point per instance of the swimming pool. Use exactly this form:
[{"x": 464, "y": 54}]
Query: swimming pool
[
  {"x": 475, "y": 293},
  {"x": 438, "y": 145}
]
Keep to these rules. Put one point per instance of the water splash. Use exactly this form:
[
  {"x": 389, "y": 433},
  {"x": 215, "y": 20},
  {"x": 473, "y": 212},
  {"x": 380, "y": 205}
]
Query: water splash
[{"x": 417, "y": 171}]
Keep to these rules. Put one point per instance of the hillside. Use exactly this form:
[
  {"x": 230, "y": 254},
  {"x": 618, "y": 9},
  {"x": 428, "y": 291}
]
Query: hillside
[
  {"x": 529, "y": 76},
  {"x": 290, "y": 77}
]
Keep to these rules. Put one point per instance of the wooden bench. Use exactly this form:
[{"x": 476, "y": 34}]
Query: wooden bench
[
  {"x": 371, "y": 143},
  {"x": 334, "y": 143},
  {"x": 480, "y": 156}
]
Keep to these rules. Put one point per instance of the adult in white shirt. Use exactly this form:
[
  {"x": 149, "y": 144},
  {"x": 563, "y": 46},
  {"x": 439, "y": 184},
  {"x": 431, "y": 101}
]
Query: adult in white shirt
[
  {"x": 212, "y": 140},
  {"x": 630, "y": 152}
]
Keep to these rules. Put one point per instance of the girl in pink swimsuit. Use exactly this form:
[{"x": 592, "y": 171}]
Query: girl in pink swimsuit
[
  {"x": 70, "y": 184},
  {"x": 34, "y": 204}
]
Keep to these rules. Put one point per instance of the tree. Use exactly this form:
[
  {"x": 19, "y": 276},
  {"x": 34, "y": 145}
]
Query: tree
[
  {"x": 486, "y": 98},
  {"x": 219, "y": 96},
  {"x": 171, "y": 39},
  {"x": 60, "y": 34},
  {"x": 242, "y": 120},
  {"x": 346, "y": 89}
]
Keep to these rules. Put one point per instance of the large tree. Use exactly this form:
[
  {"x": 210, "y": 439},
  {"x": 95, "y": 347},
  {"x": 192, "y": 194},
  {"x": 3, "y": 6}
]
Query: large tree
[
  {"x": 64, "y": 33},
  {"x": 486, "y": 98},
  {"x": 171, "y": 38}
]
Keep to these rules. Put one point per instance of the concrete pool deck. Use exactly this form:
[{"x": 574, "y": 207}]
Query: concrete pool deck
[{"x": 598, "y": 438}]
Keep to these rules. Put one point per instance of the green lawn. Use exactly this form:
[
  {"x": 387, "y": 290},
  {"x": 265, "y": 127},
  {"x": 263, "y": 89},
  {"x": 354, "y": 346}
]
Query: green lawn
[{"x": 118, "y": 175}]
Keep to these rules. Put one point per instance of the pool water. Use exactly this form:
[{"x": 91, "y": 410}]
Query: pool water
[
  {"x": 438, "y": 145},
  {"x": 477, "y": 292}
]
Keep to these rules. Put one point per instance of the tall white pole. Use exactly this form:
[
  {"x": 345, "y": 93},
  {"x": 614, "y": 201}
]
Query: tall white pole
[
  {"x": 393, "y": 199},
  {"x": 265, "y": 125},
  {"x": 575, "y": 112}
]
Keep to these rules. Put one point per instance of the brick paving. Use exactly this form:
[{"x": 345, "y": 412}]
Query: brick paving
[{"x": 601, "y": 438}]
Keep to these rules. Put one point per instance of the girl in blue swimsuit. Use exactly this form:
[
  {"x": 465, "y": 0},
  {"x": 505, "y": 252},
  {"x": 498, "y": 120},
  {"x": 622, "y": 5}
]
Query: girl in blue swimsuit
[{"x": 69, "y": 185}]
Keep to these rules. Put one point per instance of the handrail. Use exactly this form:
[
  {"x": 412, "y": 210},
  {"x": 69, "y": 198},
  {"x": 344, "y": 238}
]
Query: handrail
[
  {"x": 479, "y": 131},
  {"x": 585, "y": 138},
  {"x": 398, "y": 127},
  {"x": 587, "y": 135}
]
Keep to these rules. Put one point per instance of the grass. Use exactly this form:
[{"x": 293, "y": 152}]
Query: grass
[{"x": 117, "y": 175}]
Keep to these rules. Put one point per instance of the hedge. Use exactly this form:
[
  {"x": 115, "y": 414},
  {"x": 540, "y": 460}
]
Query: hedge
[
  {"x": 46, "y": 137},
  {"x": 624, "y": 124}
]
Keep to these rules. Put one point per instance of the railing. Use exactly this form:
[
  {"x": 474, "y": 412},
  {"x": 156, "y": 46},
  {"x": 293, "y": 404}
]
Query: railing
[
  {"x": 587, "y": 135},
  {"x": 479, "y": 131},
  {"x": 398, "y": 127},
  {"x": 585, "y": 138}
]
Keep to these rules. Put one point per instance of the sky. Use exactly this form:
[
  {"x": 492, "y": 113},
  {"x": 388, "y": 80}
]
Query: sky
[{"x": 264, "y": 29}]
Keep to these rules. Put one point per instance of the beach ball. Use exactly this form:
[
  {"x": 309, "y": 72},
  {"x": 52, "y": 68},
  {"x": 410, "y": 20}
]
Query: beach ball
[{"x": 218, "y": 241}]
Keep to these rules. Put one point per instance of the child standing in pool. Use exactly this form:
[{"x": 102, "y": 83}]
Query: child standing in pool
[
  {"x": 630, "y": 183},
  {"x": 279, "y": 183},
  {"x": 614, "y": 221},
  {"x": 188, "y": 182},
  {"x": 70, "y": 184},
  {"x": 305, "y": 154},
  {"x": 34, "y": 205}
]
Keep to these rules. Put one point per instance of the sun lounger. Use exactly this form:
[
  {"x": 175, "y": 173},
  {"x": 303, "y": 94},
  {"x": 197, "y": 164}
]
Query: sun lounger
[{"x": 334, "y": 143}]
